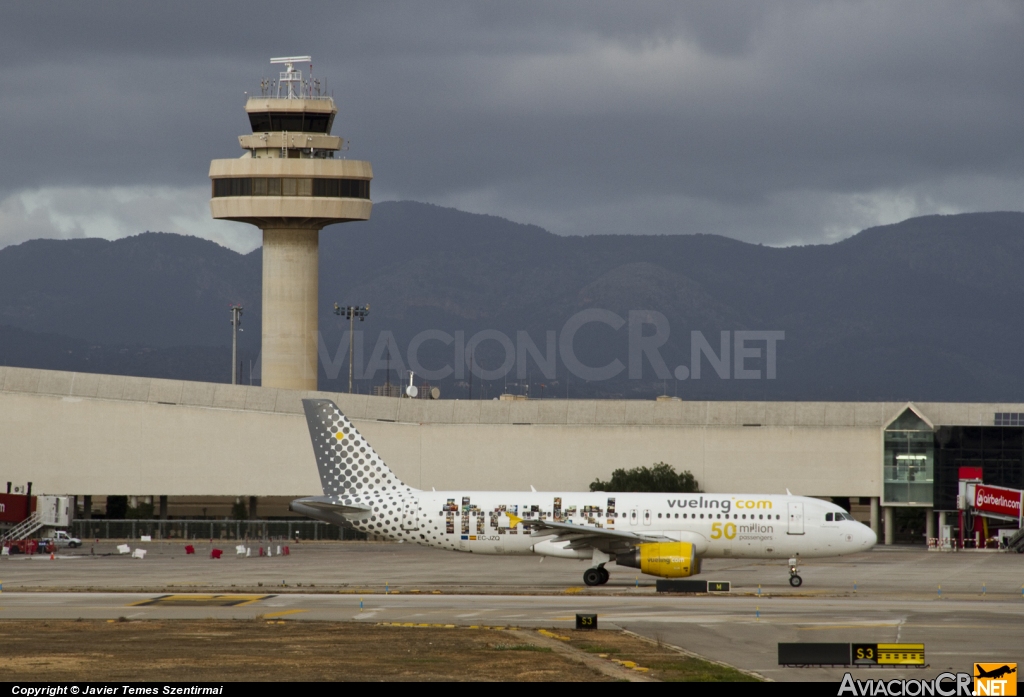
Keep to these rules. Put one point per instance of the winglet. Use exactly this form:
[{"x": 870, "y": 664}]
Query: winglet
[
  {"x": 514, "y": 519},
  {"x": 532, "y": 489},
  {"x": 788, "y": 492}
]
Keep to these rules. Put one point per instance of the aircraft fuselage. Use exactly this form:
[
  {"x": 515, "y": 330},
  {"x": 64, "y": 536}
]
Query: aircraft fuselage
[{"x": 730, "y": 525}]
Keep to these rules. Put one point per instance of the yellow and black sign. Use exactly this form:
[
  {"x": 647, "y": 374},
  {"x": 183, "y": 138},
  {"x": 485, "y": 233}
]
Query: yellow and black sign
[
  {"x": 995, "y": 679},
  {"x": 887, "y": 654},
  {"x": 202, "y": 600},
  {"x": 586, "y": 621}
]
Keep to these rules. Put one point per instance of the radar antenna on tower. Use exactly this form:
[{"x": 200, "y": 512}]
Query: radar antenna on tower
[{"x": 290, "y": 77}]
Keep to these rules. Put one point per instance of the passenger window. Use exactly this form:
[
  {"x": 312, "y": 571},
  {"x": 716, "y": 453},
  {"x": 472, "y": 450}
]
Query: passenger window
[
  {"x": 760, "y": 517},
  {"x": 677, "y": 515},
  {"x": 828, "y": 517},
  {"x": 718, "y": 515},
  {"x": 659, "y": 515},
  {"x": 702, "y": 516}
]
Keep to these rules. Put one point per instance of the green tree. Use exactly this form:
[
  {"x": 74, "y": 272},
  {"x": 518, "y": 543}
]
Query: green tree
[{"x": 661, "y": 477}]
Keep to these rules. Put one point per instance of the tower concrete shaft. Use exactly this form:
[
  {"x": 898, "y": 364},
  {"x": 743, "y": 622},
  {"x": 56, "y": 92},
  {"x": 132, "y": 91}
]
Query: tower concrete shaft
[
  {"x": 290, "y": 284},
  {"x": 290, "y": 184}
]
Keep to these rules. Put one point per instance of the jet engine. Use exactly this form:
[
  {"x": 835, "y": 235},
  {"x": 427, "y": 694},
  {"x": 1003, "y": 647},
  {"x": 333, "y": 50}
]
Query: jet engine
[{"x": 664, "y": 559}]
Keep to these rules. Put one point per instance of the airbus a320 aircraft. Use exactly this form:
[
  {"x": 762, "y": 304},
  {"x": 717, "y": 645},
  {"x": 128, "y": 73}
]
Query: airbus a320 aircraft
[{"x": 663, "y": 535}]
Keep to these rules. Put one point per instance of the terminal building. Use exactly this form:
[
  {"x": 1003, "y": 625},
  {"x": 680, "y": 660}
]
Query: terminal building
[{"x": 92, "y": 435}]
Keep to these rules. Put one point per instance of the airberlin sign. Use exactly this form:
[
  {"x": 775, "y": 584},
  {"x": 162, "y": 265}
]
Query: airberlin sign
[{"x": 996, "y": 499}]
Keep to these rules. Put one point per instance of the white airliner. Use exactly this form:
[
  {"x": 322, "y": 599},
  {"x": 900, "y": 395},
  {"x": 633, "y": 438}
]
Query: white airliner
[{"x": 663, "y": 535}]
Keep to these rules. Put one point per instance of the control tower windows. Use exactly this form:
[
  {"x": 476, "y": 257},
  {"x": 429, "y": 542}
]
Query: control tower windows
[
  {"x": 232, "y": 187},
  {"x": 270, "y": 122},
  {"x": 342, "y": 188},
  {"x": 291, "y": 186}
]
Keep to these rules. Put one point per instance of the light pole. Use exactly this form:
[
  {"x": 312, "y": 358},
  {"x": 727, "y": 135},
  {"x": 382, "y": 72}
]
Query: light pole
[
  {"x": 236, "y": 326},
  {"x": 350, "y": 313}
]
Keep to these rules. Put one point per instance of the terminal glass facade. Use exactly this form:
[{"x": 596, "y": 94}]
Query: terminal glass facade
[
  {"x": 909, "y": 456},
  {"x": 997, "y": 450}
]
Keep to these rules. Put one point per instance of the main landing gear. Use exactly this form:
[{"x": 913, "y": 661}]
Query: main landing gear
[
  {"x": 597, "y": 576},
  {"x": 794, "y": 573}
]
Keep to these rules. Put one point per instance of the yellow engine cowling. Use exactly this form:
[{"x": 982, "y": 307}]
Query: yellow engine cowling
[{"x": 664, "y": 559}]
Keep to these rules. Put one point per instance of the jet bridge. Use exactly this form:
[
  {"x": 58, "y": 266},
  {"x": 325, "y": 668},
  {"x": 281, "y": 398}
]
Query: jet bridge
[{"x": 984, "y": 505}]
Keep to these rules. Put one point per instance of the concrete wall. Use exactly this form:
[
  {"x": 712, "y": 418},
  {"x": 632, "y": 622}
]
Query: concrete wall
[{"x": 102, "y": 434}]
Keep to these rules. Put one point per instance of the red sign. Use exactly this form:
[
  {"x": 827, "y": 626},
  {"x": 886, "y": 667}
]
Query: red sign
[
  {"x": 971, "y": 473},
  {"x": 996, "y": 499},
  {"x": 14, "y": 508}
]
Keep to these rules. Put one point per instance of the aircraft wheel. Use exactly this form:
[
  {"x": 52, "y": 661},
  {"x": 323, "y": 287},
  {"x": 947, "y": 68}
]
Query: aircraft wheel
[
  {"x": 592, "y": 577},
  {"x": 795, "y": 581},
  {"x": 604, "y": 575}
]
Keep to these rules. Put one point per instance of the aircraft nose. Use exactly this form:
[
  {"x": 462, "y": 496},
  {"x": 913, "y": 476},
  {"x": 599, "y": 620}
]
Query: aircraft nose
[{"x": 870, "y": 538}]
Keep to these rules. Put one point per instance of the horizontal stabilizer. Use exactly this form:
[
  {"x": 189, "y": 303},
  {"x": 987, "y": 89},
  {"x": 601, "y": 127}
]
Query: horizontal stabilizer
[{"x": 323, "y": 508}]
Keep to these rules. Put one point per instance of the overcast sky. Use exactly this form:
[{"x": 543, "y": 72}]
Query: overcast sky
[{"x": 779, "y": 123}]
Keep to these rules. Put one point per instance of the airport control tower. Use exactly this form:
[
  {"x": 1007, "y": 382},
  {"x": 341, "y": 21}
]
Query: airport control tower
[{"x": 290, "y": 184}]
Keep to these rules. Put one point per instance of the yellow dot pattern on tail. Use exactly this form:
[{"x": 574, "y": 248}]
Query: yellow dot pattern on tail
[{"x": 352, "y": 473}]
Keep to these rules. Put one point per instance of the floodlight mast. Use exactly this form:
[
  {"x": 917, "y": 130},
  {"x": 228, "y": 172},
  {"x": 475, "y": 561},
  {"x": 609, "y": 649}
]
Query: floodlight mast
[
  {"x": 350, "y": 313},
  {"x": 236, "y": 326}
]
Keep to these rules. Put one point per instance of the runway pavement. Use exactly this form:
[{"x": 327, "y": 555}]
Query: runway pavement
[{"x": 979, "y": 615}]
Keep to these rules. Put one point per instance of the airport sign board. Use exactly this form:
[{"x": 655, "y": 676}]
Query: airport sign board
[{"x": 997, "y": 500}]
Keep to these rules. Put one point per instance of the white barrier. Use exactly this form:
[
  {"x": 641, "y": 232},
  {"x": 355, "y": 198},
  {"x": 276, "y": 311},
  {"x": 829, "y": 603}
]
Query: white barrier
[
  {"x": 240, "y": 550},
  {"x": 123, "y": 549},
  {"x": 146, "y": 538},
  {"x": 139, "y": 554}
]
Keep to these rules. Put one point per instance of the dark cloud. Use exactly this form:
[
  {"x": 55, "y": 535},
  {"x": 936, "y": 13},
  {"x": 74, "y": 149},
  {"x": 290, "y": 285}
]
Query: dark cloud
[{"x": 780, "y": 123}]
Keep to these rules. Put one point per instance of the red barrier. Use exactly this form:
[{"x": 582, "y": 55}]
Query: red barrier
[
  {"x": 287, "y": 551},
  {"x": 261, "y": 551},
  {"x": 189, "y": 549},
  {"x": 215, "y": 553}
]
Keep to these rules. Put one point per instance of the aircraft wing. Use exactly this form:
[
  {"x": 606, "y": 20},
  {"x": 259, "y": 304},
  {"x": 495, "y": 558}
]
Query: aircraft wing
[{"x": 580, "y": 533}]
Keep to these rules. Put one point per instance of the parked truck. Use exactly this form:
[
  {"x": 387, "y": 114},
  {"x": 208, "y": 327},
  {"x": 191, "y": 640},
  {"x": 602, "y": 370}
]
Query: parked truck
[{"x": 59, "y": 540}]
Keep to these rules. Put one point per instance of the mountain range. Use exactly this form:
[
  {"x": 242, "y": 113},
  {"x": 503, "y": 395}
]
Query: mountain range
[{"x": 921, "y": 310}]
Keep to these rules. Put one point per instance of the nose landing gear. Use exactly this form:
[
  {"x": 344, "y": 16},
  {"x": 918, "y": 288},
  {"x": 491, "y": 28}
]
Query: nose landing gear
[
  {"x": 597, "y": 576},
  {"x": 794, "y": 573}
]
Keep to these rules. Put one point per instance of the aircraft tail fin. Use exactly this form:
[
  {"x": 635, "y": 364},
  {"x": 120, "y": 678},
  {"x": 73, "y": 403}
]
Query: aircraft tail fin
[{"x": 349, "y": 467}]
